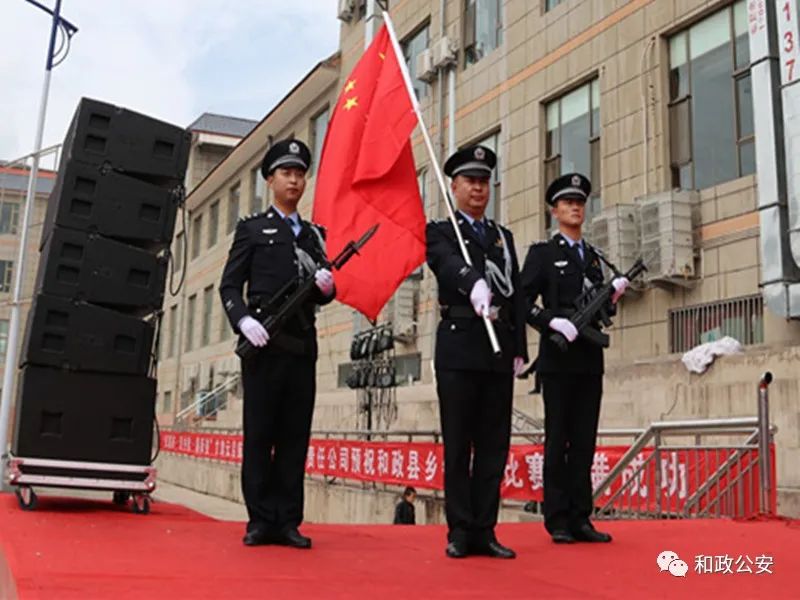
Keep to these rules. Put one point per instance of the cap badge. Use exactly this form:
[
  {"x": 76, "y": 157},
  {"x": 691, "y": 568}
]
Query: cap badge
[
  {"x": 294, "y": 148},
  {"x": 479, "y": 154},
  {"x": 576, "y": 180}
]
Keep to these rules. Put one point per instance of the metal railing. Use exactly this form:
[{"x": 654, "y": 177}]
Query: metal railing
[
  {"x": 723, "y": 470},
  {"x": 210, "y": 403},
  {"x": 523, "y": 424},
  {"x": 672, "y": 469}
]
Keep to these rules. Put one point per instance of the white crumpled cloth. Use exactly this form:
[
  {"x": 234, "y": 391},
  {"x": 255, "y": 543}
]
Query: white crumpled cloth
[{"x": 700, "y": 357}]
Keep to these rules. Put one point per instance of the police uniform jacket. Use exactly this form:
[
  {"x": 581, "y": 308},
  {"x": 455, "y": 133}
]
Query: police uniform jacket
[
  {"x": 263, "y": 255},
  {"x": 555, "y": 272},
  {"x": 461, "y": 339}
]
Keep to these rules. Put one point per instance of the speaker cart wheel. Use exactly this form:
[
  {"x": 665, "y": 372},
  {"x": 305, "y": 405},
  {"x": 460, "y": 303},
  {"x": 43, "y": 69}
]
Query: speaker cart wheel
[
  {"x": 121, "y": 498},
  {"x": 26, "y": 498},
  {"x": 141, "y": 504}
]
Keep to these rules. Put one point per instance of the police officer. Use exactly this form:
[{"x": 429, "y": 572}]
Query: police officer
[
  {"x": 558, "y": 271},
  {"x": 475, "y": 388},
  {"x": 270, "y": 249}
]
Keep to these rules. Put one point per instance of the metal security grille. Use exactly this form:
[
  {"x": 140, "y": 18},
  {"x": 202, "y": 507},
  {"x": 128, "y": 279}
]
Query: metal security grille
[{"x": 739, "y": 318}]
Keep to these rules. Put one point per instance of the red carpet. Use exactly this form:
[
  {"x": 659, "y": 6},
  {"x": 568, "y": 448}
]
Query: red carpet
[{"x": 86, "y": 549}]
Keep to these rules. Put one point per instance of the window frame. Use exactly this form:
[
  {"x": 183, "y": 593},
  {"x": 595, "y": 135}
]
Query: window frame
[
  {"x": 13, "y": 223},
  {"x": 7, "y": 276},
  {"x": 470, "y": 33},
  {"x": 234, "y": 200},
  {"x": 191, "y": 302},
  {"x": 208, "y": 311},
  {"x": 197, "y": 236},
  {"x": 213, "y": 224},
  {"x": 738, "y": 73},
  {"x": 316, "y": 145},
  {"x": 405, "y": 44}
]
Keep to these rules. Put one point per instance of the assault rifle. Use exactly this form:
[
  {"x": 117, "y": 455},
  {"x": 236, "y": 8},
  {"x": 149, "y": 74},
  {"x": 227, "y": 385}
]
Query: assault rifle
[
  {"x": 295, "y": 299},
  {"x": 591, "y": 307}
]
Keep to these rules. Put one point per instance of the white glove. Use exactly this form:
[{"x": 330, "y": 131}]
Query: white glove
[
  {"x": 324, "y": 281},
  {"x": 519, "y": 366},
  {"x": 481, "y": 298},
  {"x": 565, "y": 327},
  {"x": 253, "y": 331},
  {"x": 620, "y": 285}
]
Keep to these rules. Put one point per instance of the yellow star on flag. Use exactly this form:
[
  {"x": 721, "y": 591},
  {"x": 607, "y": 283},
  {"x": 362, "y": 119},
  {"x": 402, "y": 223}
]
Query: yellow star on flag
[
  {"x": 351, "y": 102},
  {"x": 382, "y": 55},
  {"x": 350, "y": 85}
]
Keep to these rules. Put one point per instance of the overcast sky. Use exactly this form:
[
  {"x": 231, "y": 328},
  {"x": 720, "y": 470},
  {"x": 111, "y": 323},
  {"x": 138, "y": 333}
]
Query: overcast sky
[{"x": 171, "y": 59}]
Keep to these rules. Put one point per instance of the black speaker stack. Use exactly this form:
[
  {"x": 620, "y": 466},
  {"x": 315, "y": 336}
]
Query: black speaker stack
[{"x": 86, "y": 391}]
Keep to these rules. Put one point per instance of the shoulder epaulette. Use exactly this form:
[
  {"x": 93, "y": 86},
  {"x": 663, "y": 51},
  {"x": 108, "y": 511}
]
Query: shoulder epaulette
[{"x": 251, "y": 216}]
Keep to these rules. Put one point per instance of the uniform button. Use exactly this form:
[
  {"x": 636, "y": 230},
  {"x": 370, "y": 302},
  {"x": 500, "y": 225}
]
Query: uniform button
[
  {"x": 271, "y": 242},
  {"x": 562, "y": 272},
  {"x": 452, "y": 327},
  {"x": 466, "y": 242}
]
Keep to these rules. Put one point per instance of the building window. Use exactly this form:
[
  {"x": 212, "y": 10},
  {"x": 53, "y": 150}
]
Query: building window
[
  {"x": 208, "y": 303},
  {"x": 173, "y": 327},
  {"x": 550, "y": 4},
  {"x": 197, "y": 230},
  {"x": 213, "y": 223},
  {"x": 319, "y": 127},
  {"x": 422, "y": 182},
  {"x": 225, "y": 327},
  {"x": 167, "y": 406},
  {"x": 572, "y": 142},
  {"x": 6, "y": 270},
  {"x": 3, "y": 336},
  {"x": 190, "y": 306},
  {"x": 179, "y": 247},
  {"x": 483, "y": 29},
  {"x": 9, "y": 217},
  {"x": 233, "y": 207},
  {"x": 257, "y": 189},
  {"x": 711, "y": 101},
  {"x": 739, "y": 318},
  {"x": 413, "y": 46}
]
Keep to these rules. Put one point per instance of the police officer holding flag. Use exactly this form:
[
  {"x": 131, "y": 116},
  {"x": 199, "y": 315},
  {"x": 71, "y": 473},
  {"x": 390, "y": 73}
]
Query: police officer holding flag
[
  {"x": 270, "y": 249},
  {"x": 475, "y": 388},
  {"x": 557, "y": 272}
]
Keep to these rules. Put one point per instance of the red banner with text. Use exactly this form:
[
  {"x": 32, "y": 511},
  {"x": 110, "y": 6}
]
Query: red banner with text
[{"x": 648, "y": 483}]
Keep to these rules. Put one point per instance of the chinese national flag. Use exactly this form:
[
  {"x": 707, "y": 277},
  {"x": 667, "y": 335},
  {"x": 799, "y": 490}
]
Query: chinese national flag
[{"x": 367, "y": 176}]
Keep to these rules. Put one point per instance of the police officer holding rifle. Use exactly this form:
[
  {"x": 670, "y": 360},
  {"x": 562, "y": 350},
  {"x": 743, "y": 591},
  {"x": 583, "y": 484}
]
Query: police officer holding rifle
[{"x": 566, "y": 274}]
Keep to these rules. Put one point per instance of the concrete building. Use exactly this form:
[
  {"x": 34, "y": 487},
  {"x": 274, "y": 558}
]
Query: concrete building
[
  {"x": 652, "y": 99},
  {"x": 13, "y": 189}
]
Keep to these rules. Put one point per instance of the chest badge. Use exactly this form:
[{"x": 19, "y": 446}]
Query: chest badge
[
  {"x": 269, "y": 231},
  {"x": 560, "y": 264}
]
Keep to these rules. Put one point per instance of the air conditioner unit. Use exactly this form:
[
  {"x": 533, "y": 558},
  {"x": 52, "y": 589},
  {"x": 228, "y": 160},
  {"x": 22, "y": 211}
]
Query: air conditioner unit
[
  {"x": 425, "y": 70},
  {"x": 346, "y": 10},
  {"x": 615, "y": 233},
  {"x": 404, "y": 310},
  {"x": 666, "y": 221},
  {"x": 444, "y": 52}
]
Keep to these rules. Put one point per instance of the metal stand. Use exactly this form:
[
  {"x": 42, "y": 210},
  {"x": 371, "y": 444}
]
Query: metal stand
[{"x": 132, "y": 482}]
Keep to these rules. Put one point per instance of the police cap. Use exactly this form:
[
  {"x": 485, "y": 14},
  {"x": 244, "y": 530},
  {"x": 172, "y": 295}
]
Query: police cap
[
  {"x": 474, "y": 161},
  {"x": 286, "y": 153},
  {"x": 570, "y": 186}
]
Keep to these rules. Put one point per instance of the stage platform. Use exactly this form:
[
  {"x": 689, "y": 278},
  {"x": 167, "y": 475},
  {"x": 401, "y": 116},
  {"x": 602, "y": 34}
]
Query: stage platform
[{"x": 79, "y": 548}]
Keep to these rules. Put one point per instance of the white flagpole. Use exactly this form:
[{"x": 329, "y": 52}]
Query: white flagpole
[{"x": 436, "y": 168}]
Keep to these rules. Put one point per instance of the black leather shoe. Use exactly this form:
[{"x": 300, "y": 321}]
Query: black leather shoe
[
  {"x": 496, "y": 550},
  {"x": 562, "y": 536},
  {"x": 257, "y": 537},
  {"x": 456, "y": 550},
  {"x": 293, "y": 538},
  {"x": 587, "y": 533}
]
